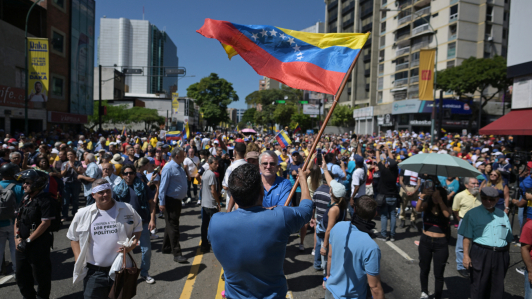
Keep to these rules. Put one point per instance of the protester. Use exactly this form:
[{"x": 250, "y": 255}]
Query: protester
[
  {"x": 172, "y": 192},
  {"x": 240, "y": 152},
  {"x": 410, "y": 183},
  {"x": 91, "y": 174},
  {"x": 276, "y": 189},
  {"x": 210, "y": 204},
  {"x": 191, "y": 163},
  {"x": 253, "y": 258},
  {"x": 487, "y": 235},
  {"x": 496, "y": 181},
  {"x": 70, "y": 170},
  {"x": 388, "y": 178},
  {"x": 95, "y": 245},
  {"x": 33, "y": 237}
]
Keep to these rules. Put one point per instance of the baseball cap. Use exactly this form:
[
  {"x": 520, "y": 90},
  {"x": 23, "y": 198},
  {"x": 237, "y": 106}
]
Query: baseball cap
[
  {"x": 489, "y": 192},
  {"x": 338, "y": 190},
  {"x": 252, "y": 155}
]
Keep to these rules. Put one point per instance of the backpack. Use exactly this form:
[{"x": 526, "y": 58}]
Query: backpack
[{"x": 8, "y": 202}]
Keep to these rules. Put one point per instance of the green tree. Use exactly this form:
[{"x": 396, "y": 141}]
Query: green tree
[
  {"x": 283, "y": 113},
  {"x": 115, "y": 114},
  {"x": 213, "y": 94},
  {"x": 249, "y": 116},
  {"x": 475, "y": 75},
  {"x": 304, "y": 121},
  {"x": 343, "y": 116},
  {"x": 145, "y": 115}
]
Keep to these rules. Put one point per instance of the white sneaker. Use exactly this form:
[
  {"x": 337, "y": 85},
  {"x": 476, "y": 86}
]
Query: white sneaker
[
  {"x": 199, "y": 202},
  {"x": 313, "y": 252},
  {"x": 148, "y": 279},
  {"x": 182, "y": 203},
  {"x": 301, "y": 247},
  {"x": 424, "y": 296},
  {"x": 188, "y": 200}
]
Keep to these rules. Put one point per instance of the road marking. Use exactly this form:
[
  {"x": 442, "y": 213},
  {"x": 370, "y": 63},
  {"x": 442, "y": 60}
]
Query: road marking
[
  {"x": 400, "y": 251},
  {"x": 289, "y": 295},
  {"x": 221, "y": 286},
  {"x": 6, "y": 279},
  {"x": 191, "y": 278}
]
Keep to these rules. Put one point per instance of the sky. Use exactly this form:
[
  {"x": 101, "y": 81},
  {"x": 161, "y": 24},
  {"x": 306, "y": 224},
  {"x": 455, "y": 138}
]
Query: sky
[{"x": 200, "y": 55}]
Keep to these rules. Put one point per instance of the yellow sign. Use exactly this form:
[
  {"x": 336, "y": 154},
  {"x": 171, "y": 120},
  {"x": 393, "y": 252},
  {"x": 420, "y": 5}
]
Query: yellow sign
[
  {"x": 175, "y": 102},
  {"x": 38, "y": 69},
  {"x": 426, "y": 74}
]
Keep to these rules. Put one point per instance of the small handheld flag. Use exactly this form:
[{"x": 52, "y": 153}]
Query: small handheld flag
[
  {"x": 283, "y": 139},
  {"x": 298, "y": 128}
]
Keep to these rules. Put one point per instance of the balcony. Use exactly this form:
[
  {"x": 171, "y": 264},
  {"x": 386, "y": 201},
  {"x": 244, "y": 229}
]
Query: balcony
[
  {"x": 404, "y": 20},
  {"x": 421, "y": 3},
  {"x": 414, "y": 79},
  {"x": 414, "y": 63},
  {"x": 400, "y": 82},
  {"x": 418, "y": 46},
  {"x": 402, "y": 36},
  {"x": 453, "y": 18},
  {"x": 404, "y": 3},
  {"x": 402, "y": 51},
  {"x": 452, "y": 37},
  {"x": 422, "y": 12},
  {"x": 420, "y": 29},
  {"x": 401, "y": 66},
  {"x": 451, "y": 53}
]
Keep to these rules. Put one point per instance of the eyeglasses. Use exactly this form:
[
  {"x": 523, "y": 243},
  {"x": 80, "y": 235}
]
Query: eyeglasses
[
  {"x": 27, "y": 183},
  {"x": 494, "y": 174},
  {"x": 271, "y": 164},
  {"x": 129, "y": 173}
]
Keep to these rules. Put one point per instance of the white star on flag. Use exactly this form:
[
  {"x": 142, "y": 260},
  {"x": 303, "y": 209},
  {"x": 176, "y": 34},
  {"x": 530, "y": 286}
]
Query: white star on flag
[
  {"x": 283, "y": 36},
  {"x": 264, "y": 32},
  {"x": 291, "y": 40},
  {"x": 255, "y": 36},
  {"x": 299, "y": 57},
  {"x": 296, "y": 48},
  {"x": 273, "y": 32}
]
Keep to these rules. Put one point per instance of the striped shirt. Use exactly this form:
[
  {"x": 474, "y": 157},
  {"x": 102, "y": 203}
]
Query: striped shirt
[{"x": 321, "y": 199}]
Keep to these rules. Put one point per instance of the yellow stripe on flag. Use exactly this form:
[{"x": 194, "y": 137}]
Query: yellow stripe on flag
[
  {"x": 229, "y": 50},
  {"x": 326, "y": 40}
]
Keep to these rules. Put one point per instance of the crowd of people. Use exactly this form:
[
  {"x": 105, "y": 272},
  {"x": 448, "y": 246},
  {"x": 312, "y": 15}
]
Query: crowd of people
[{"x": 128, "y": 181}]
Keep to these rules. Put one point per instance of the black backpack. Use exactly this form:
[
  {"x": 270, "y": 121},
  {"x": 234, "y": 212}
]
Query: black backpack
[{"x": 8, "y": 202}]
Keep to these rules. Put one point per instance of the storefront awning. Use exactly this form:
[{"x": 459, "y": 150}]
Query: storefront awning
[{"x": 517, "y": 122}]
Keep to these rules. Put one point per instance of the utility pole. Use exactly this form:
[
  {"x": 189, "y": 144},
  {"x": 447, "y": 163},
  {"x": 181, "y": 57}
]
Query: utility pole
[{"x": 100, "y": 99}]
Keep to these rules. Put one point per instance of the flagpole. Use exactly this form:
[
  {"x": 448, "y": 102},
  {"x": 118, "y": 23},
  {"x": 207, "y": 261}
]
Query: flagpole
[{"x": 316, "y": 140}]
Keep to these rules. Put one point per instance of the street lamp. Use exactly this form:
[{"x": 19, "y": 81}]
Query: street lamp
[
  {"x": 26, "y": 69},
  {"x": 433, "y": 118}
]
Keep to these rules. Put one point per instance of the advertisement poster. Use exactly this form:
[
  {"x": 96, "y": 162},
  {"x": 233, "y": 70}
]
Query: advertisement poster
[
  {"x": 38, "y": 70},
  {"x": 175, "y": 103},
  {"x": 426, "y": 74}
]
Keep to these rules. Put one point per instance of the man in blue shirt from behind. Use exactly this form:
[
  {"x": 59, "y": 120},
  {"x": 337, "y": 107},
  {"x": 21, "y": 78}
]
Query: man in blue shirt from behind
[
  {"x": 253, "y": 255},
  {"x": 354, "y": 258}
]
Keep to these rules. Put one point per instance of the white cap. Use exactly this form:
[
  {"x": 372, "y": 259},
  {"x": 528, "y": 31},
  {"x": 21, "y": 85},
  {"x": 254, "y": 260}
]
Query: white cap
[{"x": 338, "y": 190}]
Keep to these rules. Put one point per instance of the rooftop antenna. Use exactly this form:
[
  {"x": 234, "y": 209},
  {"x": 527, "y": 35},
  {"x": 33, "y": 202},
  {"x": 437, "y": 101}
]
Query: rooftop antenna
[{"x": 143, "y": 12}]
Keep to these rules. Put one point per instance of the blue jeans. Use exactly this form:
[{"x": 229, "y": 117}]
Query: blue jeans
[
  {"x": 521, "y": 216},
  {"x": 96, "y": 285},
  {"x": 71, "y": 196},
  {"x": 145, "y": 248},
  {"x": 459, "y": 250},
  {"x": 528, "y": 286},
  {"x": 317, "y": 255},
  {"x": 388, "y": 212}
]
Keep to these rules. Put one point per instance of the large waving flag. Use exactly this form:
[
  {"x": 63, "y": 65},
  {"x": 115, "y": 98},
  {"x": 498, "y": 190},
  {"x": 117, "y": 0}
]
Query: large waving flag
[
  {"x": 283, "y": 139},
  {"x": 302, "y": 60},
  {"x": 173, "y": 135},
  {"x": 186, "y": 132}
]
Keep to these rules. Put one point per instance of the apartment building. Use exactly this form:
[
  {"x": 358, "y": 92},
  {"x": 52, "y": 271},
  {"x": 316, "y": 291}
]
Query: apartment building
[{"x": 459, "y": 29}]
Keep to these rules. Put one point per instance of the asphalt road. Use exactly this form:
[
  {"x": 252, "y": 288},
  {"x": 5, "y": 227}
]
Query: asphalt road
[{"x": 200, "y": 277}]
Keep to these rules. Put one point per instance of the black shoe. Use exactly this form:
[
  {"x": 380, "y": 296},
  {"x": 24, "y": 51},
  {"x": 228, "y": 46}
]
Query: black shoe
[
  {"x": 205, "y": 249},
  {"x": 166, "y": 251},
  {"x": 223, "y": 277},
  {"x": 402, "y": 225},
  {"x": 180, "y": 259},
  {"x": 413, "y": 227},
  {"x": 464, "y": 273},
  {"x": 382, "y": 238}
]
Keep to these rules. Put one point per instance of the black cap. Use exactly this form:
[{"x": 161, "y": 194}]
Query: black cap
[{"x": 489, "y": 192}]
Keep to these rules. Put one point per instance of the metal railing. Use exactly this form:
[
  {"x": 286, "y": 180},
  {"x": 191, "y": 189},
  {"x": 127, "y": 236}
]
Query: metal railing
[
  {"x": 381, "y": 69},
  {"x": 401, "y": 66},
  {"x": 422, "y": 12},
  {"x": 414, "y": 63},
  {"x": 420, "y": 45},
  {"x": 402, "y": 51},
  {"x": 451, "y": 53},
  {"x": 380, "y": 84},
  {"x": 453, "y": 18},
  {"x": 454, "y": 1},
  {"x": 452, "y": 37},
  {"x": 405, "y": 19},
  {"x": 400, "y": 82},
  {"x": 402, "y": 36},
  {"x": 420, "y": 29},
  {"x": 414, "y": 79}
]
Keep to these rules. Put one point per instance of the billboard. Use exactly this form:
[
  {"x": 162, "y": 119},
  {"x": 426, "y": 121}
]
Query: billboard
[
  {"x": 312, "y": 109},
  {"x": 38, "y": 70},
  {"x": 82, "y": 57},
  {"x": 175, "y": 103}
]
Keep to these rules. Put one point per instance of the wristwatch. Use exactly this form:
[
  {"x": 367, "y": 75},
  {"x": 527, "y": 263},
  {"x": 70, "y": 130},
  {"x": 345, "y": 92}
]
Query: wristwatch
[
  {"x": 28, "y": 240},
  {"x": 506, "y": 208}
]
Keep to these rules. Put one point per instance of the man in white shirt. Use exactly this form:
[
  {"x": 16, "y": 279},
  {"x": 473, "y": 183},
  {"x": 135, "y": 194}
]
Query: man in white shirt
[
  {"x": 95, "y": 232},
  {"x": 191, "y": 163},
  {"x": 358, "y": 182},
  {"x": 240, "y": 153}
]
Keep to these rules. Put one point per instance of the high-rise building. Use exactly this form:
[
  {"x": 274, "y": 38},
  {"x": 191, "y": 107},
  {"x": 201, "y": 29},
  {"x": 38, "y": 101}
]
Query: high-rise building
[
  {"x": 387, "y": 70},
  {"x": 138, "y": 44},
  {"x": 240, "y": 114}
]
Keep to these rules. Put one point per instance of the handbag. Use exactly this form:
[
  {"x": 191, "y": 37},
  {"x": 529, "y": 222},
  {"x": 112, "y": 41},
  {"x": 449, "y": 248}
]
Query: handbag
[
  {"x": 125, "y": 284},
  {"x": 379, "y": 199}
]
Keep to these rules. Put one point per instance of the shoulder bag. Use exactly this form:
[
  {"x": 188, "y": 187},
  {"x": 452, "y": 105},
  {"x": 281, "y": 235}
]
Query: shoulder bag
[{"x": 125, "y": 285}]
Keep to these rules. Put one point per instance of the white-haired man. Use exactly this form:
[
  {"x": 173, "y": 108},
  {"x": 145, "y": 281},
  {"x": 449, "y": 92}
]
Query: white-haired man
[{"x": 92, "y": 173}]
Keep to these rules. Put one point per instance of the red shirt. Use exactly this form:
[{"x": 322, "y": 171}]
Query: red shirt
[
  {"x": 526, "y": 234},
  {"x": 160, "y": 163}
]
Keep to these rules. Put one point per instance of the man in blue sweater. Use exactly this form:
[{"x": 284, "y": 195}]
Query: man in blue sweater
[{"x": 250, "y": 242}]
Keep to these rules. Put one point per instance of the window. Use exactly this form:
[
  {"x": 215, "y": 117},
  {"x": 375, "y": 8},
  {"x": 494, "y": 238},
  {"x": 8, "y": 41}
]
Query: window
[
  {"x": 383, "y": 27},
  {"x": 20, "y": 78},
  {"x": 505, "y": 16},
  {"x": 383, "y": 41},
  {"x": 504, "y": 33},
  {"x": 59, "y": 3},
  {"x": 489, "y": 13},
  {"x": 452, "y": 32},
  {"x": 381, "y": 55},
  {"x": 414, "y": 72},
  {"x": 379, "y": 97},
  {"x": 488, "y": 31},
  {"x": 401, "y": 75},
  {"x": 383, "y": 14},
  {"x": 57, "y": 87},
  {"x": 381, "y": 69},
  {"x": 451, "y": 50},
  {"x": 366, "y": 21},
  {"x": 450, "y": 63},
  {"x": 380, "y": 83},
  {"x": 58, "y": 42}
]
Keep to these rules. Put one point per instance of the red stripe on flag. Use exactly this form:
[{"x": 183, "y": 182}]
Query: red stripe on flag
[{"x": 300, "y": 75}]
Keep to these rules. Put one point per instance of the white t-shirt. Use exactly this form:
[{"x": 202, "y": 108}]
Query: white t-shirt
[
  {"x": 358, "y": 180},
  {"x": 204, "y": 142},
  {"x": 230, "y": 169},
  {"x": 103, "y": 239},
  {"x": 192, "y": 164}
]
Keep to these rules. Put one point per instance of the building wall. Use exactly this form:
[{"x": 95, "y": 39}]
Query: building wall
[{"x": 59, "y": 22}]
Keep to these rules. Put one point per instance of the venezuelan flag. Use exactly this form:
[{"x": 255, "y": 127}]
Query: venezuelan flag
[
  {"x": 283, "y": 139},
  {"x": 301, "y": 60},
  {"x": 298, "y": 128},
  {"x": 186, "y": 132},
  {"x": 173, "y": 135}
]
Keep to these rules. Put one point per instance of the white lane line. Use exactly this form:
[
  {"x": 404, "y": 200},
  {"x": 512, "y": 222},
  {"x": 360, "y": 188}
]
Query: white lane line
[{"x": 401, "y": 252}]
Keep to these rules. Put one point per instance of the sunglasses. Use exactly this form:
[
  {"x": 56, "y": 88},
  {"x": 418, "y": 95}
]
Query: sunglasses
[
  {"x": 129, "y": 173},
  {"x": 494, "y": 174},
  {"x": 27, "y": 183},
  {"x": 271, "y": 164}
]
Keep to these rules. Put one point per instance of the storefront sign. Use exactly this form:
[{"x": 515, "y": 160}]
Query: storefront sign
[
  {"x": 417, "y": 106},
  {"x": 38, "y": 69},
  {"x": 67, "y": 118},
  {"x": 363, "y": 113},
  {"x": 13, "y": 97},
  {"x": 406, "y": 106},
  {"x": 312, "y": 109},
  {"x": 420, "y": 122}
]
